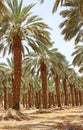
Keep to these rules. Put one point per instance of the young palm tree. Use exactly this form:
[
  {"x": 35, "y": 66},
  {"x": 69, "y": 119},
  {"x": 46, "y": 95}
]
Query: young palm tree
[
  {"x": 20, "y": 25},
  {"x": 72, "y": 25}
]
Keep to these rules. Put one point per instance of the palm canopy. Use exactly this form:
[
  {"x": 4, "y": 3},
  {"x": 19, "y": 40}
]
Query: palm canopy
[
  {"x": 72, "y": 25},
  {"x": 78, "y": 57},
  {"x": 54, "y": 61},
  {"x": 20, "y": 21},
  {"x": 33, "y": 60}
]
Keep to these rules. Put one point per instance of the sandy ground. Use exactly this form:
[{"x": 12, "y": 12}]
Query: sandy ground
[{"x": 68, "y": 118}]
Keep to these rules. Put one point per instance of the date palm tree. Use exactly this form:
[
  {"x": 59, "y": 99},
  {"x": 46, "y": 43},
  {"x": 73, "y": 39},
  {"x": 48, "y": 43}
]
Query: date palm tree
[
  {"x": 41, "y": 63},
  {"x": 73, "y": 81},
  {"x": 72, "y": 25},
  {"x": 47, "y": 61},
  {"x": 58, "y": 73},
  {"x": 21, "y": 25}
]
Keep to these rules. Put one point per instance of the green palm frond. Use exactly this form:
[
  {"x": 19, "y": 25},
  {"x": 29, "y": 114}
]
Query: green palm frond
[
  {"x": 3, "y": 8},
  {"x": 81, "y": 68},
  {"x": 72, "y": 25},
  {"x": 78, "y": 57},
  {"x": 56, "y": 4}
]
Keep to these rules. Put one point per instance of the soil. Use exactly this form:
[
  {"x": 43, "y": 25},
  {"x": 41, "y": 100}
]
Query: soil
[{"x": 66, "y": 118}]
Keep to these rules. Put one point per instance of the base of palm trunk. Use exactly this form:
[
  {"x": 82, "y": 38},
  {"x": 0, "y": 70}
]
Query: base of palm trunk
[
  {"x": 11, "y": 114},
  {"x": 59, "y": 106},
  {"x": 16, "y": 107}
]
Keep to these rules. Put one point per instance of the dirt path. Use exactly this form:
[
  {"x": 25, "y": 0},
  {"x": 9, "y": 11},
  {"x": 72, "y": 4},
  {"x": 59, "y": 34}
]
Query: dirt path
[{"x": 52, "y": 119}]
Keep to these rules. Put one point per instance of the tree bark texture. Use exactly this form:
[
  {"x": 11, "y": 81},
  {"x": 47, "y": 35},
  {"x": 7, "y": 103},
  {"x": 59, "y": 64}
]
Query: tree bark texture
[
  {"x": 17, "y": 53},
  {"x": 65, "y": 91},
  {"x": 44, "y": 84},
  {"x": 72, "y": 94},
  {"x": 57, "y": 87},
  {"x": 5, "y": 97}
]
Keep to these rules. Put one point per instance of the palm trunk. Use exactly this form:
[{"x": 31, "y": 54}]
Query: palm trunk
[
  {"x": 37, "y": 100},
  {"x": 80, "y": 97},
  {"x": 44, "y": 84},
  {"x": 62, "y": 98},
  {"x": 65, "y": 91},
  {"x": 76, "y": 97},
  {"x": 72, "y": 93},
  {"x": 39, "y": 97},
  {"x": 29, "y": 97},
  {"x": 49, "y": 99},
  {"x": 56, "y": 100},
  {"x": 17, "y": 50},
  {"x": 53, "y": 100},
  {"x": 57, "y": 90},
  {"x": 26, "y": 104},
  {"x": 10, "y": 100},
  {"x": 23, "y": 100},
  {"x": 1, "y": 100},
  {"x": 33, "y": 99},
  {"x": 5, "y": 97}
]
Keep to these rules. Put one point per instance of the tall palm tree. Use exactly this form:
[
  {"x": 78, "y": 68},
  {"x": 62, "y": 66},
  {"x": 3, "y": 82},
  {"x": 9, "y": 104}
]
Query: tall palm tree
[
  {"x": 72, "y": 25},
  {"x": 41, "y": 63},
  {"x": 46, "y": 61},
  {"x": 78, "y": 57},
  {"x": 73, "y": 83},
  {"x": 19, "y": 26},
  {"x": 58, "y": 73}
]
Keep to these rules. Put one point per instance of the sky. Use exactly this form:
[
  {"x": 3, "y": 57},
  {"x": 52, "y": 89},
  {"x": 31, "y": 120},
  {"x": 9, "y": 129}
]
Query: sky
[{"x": 53, "y": 20}]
